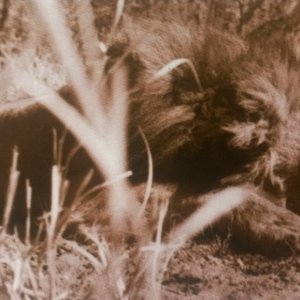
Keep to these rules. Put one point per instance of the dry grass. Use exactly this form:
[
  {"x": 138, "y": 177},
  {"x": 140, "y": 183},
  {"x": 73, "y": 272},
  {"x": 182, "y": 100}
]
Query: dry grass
[{"x": 32, "y": 270}]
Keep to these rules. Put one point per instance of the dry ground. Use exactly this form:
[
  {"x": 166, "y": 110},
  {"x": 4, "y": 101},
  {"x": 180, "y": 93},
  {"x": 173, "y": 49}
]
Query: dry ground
[
  {"x": 205, "y": 271},
  {"x": 201, "y": 270}
]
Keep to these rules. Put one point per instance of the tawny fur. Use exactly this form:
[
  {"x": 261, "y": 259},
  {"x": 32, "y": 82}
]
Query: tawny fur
[{"x": 240, "y": 127}]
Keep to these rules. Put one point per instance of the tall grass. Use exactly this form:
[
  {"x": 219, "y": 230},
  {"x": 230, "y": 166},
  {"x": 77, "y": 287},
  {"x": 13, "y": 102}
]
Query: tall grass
[{"x": 100, "y": 125}]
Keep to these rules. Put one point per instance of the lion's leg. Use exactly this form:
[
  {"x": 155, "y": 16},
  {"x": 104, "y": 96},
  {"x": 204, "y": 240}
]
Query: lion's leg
[{"x": 257, "y": 225}]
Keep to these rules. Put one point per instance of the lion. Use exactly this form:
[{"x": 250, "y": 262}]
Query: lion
[
  {"x": 238, "y": 128},
  {"x": 233, "y": 123}
]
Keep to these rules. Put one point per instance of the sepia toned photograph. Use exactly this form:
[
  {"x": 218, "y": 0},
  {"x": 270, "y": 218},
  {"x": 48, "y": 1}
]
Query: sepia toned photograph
[{"x": 149, "y": 149}]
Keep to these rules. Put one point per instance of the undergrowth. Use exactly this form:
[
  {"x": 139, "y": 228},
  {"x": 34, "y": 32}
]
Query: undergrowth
[{"x": 126, "y": 258}]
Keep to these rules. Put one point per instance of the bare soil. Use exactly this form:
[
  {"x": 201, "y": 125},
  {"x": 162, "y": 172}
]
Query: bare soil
[
  {"x": 201, "y": 270},
  {"x": 208, "y": 271}
]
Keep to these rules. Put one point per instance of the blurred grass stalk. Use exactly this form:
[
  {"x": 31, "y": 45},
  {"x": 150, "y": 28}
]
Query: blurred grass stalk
[
  {"x": 11, "y": 190},
  {"x": 102, "y": 134},
  {"x": 101, "y": 129}
]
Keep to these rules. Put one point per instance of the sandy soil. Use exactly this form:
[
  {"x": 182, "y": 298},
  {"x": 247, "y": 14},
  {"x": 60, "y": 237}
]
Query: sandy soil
[{"x": 208, "y": 271}]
